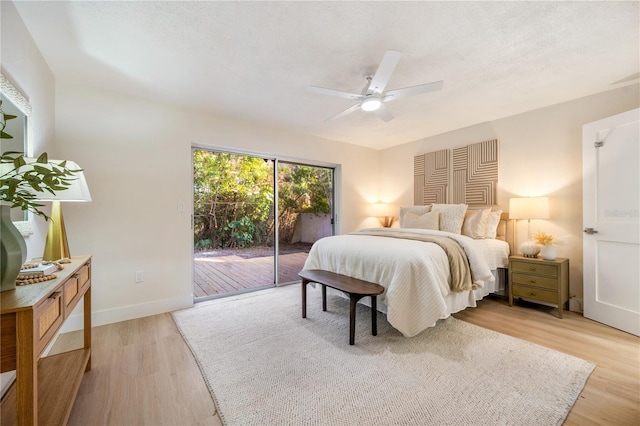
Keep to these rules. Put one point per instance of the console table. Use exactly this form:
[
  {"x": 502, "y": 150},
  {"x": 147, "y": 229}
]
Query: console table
[{"x": 31, "y": 315}]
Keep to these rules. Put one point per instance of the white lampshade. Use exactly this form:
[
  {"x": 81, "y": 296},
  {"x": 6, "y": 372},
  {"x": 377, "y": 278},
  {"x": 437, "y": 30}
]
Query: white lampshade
[
  {"x": 77, "y": 191},
  {"x": 529, "y": 208},
  {"x": 380, "y": 209}
]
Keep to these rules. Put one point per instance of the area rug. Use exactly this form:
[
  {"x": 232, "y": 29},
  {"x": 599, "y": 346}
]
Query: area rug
[{"x": 265, "y": 365}]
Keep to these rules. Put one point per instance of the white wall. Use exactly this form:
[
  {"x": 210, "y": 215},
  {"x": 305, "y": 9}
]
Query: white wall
[
  {"x": 540, "y": 154},
  {"x": 136, "y": 155}
]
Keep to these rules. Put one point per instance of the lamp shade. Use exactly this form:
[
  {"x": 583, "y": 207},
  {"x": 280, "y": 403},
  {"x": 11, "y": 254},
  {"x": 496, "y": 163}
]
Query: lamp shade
[
  {"x": 529, "y": 208},
  {"x": 380, "y": 209},
  {"x": 77, "y": 191}
]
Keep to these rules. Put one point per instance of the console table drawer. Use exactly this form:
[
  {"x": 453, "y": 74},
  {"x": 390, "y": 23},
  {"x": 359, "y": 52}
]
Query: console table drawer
[
  {"x": 48, "y": 317},
  {"x": 71, "y": 295},
  {"x": 84, "y": 276},
  {"x": 535, "y": 281},
  {"x": 532, "y": 268}
]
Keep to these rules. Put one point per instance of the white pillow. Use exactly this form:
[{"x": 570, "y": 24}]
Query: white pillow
[
  {"x": 426, "y": 221},
  {"x": 451, "y": 216},
  {"x": 419, "y": 210},
  {"x": 475, "y": 223},
  {"x": 492, "y": 224}
]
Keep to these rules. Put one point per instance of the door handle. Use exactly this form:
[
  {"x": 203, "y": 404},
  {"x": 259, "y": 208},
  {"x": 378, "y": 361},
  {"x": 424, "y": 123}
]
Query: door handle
[{"x": 590, "y": 231}]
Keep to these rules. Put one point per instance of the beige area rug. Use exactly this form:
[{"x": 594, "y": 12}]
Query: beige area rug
[{"x": 265, "y": 365}]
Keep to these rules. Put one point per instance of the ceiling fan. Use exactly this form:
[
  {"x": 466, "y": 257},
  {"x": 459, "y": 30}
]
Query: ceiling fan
[{"x": 373, "y": 97}]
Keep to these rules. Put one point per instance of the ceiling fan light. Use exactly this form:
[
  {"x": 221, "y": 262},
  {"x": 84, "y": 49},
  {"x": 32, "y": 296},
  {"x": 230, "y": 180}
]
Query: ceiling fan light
[{"x": 370, "y": 104}]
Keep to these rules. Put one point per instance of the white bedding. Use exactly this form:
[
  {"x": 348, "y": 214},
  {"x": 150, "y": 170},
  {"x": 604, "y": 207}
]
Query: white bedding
[{"x": 415, "y": 274}]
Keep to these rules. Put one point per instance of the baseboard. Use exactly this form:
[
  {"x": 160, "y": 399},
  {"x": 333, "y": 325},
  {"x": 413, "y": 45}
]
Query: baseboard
[{"x": 125, "y": 313}]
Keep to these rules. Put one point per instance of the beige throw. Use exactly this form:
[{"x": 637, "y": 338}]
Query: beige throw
[{"x": 458, "y": 262}]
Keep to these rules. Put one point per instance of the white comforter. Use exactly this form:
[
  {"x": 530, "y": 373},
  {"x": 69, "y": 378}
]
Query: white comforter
[{"x": 415, "y": 274}]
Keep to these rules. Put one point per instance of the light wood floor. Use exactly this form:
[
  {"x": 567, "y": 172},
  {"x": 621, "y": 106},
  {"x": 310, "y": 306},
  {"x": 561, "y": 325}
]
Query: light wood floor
[{"x": 144, "y": 374}]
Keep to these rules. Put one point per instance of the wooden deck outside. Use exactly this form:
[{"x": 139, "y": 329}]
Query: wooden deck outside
[{"x": 224, "y": 274}]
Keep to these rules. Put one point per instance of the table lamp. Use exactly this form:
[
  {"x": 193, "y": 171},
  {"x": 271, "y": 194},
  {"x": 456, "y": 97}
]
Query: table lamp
[
  {"x": 381, "y": 211},
  {"x": 56, "y": 245},
  {"x": 529, "y": 208}
]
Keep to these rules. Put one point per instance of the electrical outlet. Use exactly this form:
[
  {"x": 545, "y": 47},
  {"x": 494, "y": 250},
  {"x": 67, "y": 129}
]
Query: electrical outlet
[{"x": 139, "y": 276}]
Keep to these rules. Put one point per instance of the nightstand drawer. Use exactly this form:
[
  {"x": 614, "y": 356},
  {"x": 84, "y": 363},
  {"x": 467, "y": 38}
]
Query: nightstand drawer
[
  {"x": 532, "y": 268},
  {"x": 535, "y": 280},
  {"x": 534, "y": 293}
]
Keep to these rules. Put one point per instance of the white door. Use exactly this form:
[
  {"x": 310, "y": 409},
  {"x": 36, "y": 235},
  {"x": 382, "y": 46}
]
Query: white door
[{"x": 611, "y": 205}]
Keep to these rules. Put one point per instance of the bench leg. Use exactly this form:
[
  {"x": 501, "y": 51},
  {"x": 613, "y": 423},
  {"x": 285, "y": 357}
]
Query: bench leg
[
  {"x": 324, "y": 298},
  {"x": 353, "y": 301},
  {"x": 374, "y": 316},
  {"x": 304, "y": 298}
]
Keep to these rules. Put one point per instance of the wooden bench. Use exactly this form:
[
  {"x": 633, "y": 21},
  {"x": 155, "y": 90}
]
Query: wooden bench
[{"x": 356, "y": 289}]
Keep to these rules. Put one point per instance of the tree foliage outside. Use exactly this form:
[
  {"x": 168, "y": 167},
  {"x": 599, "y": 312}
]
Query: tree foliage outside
[{"x": 233, "y": 199}]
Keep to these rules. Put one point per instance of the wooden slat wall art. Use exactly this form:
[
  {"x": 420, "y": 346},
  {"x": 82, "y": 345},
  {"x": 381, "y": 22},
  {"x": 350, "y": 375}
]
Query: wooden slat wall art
[
  {"x": 431, "y": 177},
  {"x": 473, "y": 173}
]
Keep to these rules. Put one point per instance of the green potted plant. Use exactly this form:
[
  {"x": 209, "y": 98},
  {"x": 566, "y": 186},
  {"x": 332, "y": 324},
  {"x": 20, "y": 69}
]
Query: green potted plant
[{"x": 21, "y": 179}]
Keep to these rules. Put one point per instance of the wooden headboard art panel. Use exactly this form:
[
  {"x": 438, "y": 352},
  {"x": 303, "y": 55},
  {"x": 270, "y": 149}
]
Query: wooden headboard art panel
[
  {"x": 475, "y": 173},
  {"x": 471, "y": 169},
  {"x": 431, "y": 178}
]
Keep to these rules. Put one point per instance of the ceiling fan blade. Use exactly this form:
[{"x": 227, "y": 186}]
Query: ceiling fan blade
[
  {"x": 384, "y": 113},
  {"x": 343, "y": 113},
  {"x": 384, "y": 71},
  {"x": 393, "y": 95},
  {"x": 332, "y": 92}
]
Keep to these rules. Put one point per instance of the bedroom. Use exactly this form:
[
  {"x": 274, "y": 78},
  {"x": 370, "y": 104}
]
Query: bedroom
[{"x": 121, "y": 138}]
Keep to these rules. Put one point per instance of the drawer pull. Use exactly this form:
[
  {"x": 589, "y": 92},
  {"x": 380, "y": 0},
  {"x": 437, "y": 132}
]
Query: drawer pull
[
  {"x": 533, "y": 268},
  {"x": 533, "y": 293},
  {"x": 532, "y": 281},
  {"x": 55, "y": 295}
]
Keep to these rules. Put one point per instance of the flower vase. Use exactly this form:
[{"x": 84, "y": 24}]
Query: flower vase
[
  {"x": 548, "y": 252},
  {"x": 13, "y": 250}
]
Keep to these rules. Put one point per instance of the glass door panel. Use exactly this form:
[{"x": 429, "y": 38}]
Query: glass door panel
[
  {"x": 305, "y": 214},
  {"x": 233, "y": 223}
]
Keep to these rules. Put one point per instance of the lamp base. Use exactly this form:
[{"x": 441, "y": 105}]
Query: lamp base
[
  {"x": 386, "y": 221},
  {"x": 529, "y": 249},
  {"x": 56, "y": 246}
]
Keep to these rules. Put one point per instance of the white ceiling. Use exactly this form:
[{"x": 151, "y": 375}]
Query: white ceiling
[{"x": 254, "y": 60}]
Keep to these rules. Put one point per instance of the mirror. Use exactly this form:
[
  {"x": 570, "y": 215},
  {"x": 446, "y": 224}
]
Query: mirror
[{"x": 15, "y": 103}]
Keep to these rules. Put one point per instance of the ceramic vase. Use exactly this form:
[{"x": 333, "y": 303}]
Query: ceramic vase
[
  {"x": 548, "y": 252},
  {"x": 13, "y": 250}
]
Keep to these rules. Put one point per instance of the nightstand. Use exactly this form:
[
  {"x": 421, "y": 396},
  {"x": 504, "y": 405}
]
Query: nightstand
[{"x": 539, "y": 280}]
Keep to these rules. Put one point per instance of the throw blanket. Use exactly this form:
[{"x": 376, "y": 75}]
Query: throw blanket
[{"x": 458, "y": 262}]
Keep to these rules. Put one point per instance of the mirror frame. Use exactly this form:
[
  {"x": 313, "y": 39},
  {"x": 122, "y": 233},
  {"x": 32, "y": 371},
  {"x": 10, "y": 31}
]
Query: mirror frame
[{"x": 11, "y": 93}]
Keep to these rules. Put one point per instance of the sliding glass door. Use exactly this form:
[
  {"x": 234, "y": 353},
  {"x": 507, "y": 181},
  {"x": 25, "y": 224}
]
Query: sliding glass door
[{"x": 255, "y": 220}]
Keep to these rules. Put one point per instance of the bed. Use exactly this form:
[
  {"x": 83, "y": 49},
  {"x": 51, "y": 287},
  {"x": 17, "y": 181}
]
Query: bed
[{"x": 412, "y": 263}]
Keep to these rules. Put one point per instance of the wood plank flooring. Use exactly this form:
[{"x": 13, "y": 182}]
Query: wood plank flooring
[
  {"x": 144, "y": 374},
  {"x": 227, "y": 274}
]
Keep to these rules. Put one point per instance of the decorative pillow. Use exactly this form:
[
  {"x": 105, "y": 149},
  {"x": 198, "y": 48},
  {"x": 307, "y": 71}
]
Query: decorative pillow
[
  {"x": 475, "y": 223},
  {"x": 426, "y": 221},
  {"x": 419, "y": 210},
  {"x": 492, "y": 224},
  {"x": 451, "y": 216}
]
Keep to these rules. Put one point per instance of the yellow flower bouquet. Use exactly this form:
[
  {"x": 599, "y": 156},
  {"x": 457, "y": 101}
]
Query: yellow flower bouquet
[{"x": 544, "y": 239}]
